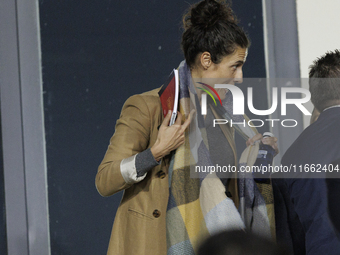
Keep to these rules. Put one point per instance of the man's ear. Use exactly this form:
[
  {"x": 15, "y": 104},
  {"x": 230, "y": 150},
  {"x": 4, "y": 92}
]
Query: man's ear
[
  {"x": 315, "y": 115},
  {"x": 205, "y": 60}
]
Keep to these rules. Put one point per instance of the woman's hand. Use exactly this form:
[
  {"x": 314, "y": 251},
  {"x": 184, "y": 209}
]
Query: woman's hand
[
  {"x": 170, "y": 137},
  {"x": 272, "y": 141}
]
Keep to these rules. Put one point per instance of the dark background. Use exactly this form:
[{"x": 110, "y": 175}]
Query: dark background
[
  {"x": 3, "y": 239},
  {"x": 95, "y": 54}
]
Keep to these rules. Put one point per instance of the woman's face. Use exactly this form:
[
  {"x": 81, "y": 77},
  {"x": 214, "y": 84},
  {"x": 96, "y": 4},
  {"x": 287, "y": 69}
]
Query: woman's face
[{"x": 228, "y": 71}]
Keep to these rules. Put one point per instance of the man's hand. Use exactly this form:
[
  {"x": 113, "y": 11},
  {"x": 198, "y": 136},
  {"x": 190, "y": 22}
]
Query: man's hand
[
  {"x": 272, "y": 141},
  {"x": 170, "y": 138}
]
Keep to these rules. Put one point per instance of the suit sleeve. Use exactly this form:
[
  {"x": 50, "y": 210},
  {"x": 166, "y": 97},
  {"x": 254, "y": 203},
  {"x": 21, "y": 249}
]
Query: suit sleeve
[
  {"x": 118, "y": 170},
  {"x": 310, "y": 203}
]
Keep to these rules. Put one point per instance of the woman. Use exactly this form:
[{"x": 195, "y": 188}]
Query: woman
[{"x": 154, "y": 218}]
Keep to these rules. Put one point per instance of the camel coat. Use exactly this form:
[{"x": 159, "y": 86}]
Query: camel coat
[{"x": 139, "y": 226}]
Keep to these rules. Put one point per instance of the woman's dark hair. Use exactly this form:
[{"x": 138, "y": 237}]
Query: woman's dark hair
[
  {"x": 238, "y": 242},
  {"x": 211, "y": 26}
]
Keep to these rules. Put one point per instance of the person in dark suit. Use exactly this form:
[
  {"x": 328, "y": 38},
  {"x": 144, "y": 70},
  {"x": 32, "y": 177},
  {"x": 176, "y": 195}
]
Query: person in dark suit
[
  {"x": 333, "y": 188},
  {"x": 301, "y": 206}
]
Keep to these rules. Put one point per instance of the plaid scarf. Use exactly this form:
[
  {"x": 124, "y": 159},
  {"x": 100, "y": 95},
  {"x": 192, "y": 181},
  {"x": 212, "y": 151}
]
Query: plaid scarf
[{"x": 198, "y": 207}]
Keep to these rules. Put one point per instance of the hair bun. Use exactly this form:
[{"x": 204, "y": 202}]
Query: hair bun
[
  {"x": 207, "y": 13},
  {"x": 210, "y": 26}
]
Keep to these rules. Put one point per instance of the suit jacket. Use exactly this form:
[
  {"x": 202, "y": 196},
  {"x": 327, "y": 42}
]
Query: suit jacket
[
  {"x": 302, "y": 220},
  {"x": 140, "y": 224},
  {"x": 333, "y": 188}
]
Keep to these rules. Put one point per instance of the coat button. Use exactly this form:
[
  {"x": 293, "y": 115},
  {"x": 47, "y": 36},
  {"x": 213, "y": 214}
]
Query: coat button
[
  {"x": 156, "y": 213},
  {"x": 161, "y": 174}
]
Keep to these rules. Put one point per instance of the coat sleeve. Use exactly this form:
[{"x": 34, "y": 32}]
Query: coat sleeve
[{"x": 132, "y": 133}]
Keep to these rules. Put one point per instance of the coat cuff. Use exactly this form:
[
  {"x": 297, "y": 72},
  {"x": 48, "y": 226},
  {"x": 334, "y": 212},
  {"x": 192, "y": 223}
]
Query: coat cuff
[
  {"x": 128, "y": 170},
  {"x": 135, "y": 168}
]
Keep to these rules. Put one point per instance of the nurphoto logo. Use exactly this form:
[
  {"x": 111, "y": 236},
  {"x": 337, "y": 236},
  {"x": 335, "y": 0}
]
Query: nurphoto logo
[{"x": 238, "y": 104}]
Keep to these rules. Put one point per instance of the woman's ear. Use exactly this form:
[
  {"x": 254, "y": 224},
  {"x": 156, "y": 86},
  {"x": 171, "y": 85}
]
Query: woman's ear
[{"x": 205, "y": 60}]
